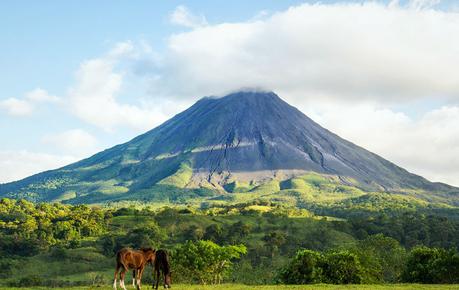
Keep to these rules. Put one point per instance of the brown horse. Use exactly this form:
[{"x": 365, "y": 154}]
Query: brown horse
[
  {"x": 162, "y": 265},
  {"x": 131, "y": 259}
]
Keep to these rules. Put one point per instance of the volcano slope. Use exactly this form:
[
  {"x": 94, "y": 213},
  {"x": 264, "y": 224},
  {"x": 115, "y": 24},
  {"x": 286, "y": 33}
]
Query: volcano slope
[{"x": 246, "y": 142}]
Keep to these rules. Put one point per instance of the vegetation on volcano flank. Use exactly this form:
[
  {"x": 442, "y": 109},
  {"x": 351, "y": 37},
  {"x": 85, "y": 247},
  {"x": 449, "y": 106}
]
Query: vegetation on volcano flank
[{"x": 246, "y": 142}]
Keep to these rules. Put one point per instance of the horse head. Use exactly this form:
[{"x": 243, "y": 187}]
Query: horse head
[
  {"x": 149, "y": 254},
  {"x": 168, "y": 280}
]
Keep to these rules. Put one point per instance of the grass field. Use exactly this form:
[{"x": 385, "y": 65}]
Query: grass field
[{"x": 274, "y": 287}]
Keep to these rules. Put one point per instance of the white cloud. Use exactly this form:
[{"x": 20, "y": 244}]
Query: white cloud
[
  {"x": 339, "y": 51},
  {"x": 184, "y": 17},
  {"x": 122, "y": 49},
  {"x": 428, "y": 146},
  {"x": 15, "y": 165},
  {"x": 75, "y": 141},
  {"x": 16, "y": 107},
  {"x": 39, "y": 95},
  {"x": 93, "y": 98},
  {"x": 27, "y": 105}
]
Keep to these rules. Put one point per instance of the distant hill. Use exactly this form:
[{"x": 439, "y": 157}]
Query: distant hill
[{"x": 243, "y": 142}]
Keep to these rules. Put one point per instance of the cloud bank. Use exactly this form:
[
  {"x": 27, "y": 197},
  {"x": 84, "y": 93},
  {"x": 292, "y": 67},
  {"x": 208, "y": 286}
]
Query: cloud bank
[{"x": 338, "y": 51}]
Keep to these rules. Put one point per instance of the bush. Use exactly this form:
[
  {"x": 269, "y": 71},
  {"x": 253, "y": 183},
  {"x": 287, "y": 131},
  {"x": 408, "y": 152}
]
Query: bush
[
  {"x": 432, "y": 266},
  {"x": 382, "y": 258},
  {"x": 342, "y": 267},
  {"x": 7, "y": 267},
  {"x": 58, "y": 253},
  {"x": 205, "y": 261},
  {"x": 339, "y": 267},
  {"x": 108, "y": 245},
  {"x": 33, "y": 281},
  {"x": 28, "y": 281},
  {"x": 305, "y": 268}
]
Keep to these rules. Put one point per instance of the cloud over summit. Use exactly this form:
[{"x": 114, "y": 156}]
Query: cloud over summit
[{"x": 353, "y": 51}]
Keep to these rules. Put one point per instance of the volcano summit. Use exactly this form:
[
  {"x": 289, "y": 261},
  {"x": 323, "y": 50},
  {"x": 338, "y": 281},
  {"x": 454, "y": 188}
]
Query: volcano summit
[{"x": 245, "y": 139}]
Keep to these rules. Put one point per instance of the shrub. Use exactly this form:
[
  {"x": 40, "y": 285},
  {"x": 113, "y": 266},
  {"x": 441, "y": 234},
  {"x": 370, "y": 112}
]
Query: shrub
[
  {"x": 382, "y": 258},
  {"x": 205, "y": 261},
  {"x": 432, "y": 265},
  {"x": 305, "y": 268},
  {"x": 338, "y": 267},
  {"x": 342, "y": 267}
]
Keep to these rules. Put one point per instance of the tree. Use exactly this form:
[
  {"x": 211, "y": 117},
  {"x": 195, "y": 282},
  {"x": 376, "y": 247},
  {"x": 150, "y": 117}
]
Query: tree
[
  {"x": 304, "y": 268},
  {"x": 193, "y": 233},
  {"x": 432, "y": 265},
  {"x": 144, "y": 237},
  {"x": 214, "y": 233},
  {"x": 108, "y": 244},
  {"x": 382, "y": 257},
  {"x": 206, "y": 261},
  {"x": 419, "y": 265},
  {"x": 274, "y": 240},
  {"x": 342, "y": 267},
  {"x": 337, "y": 267},
  {"x": 446, "y": 268},
  {"x": 238, "y": 231}
]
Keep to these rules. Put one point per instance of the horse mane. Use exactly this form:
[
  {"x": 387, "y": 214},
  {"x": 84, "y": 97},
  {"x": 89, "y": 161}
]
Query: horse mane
[{"x": 147, "y": 250}]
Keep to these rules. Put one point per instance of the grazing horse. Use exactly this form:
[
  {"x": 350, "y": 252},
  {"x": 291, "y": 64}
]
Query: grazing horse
[
  {"x": 131, "y": 259},
  {"x": 162, "y": 265}
]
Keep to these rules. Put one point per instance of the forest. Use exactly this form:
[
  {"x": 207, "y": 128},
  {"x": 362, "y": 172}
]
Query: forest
[{"x": 259, "y": 243}]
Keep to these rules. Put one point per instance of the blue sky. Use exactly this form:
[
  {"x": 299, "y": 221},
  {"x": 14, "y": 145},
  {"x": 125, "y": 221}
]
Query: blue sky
[
  {"x": 43, "y": 44},
  {"x": 79, "y": 77}
]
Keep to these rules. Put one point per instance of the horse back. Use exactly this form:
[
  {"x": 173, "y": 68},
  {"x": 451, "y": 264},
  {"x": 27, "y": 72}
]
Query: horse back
[{"x": 129, "y": 258}]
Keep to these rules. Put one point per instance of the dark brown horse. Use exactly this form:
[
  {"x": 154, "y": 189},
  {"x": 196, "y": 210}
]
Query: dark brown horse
[
  {"x": 162, "y": 265},
  {"x": 131, "y": 259}
]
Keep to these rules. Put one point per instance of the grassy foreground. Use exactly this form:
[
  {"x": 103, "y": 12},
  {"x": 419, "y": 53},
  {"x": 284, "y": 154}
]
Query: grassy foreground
[{"x": 272, "y": 287}]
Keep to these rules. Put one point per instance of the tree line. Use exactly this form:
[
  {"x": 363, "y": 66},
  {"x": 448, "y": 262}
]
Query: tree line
[
  {"x": 377, "y": 259},
  {"x": 27, "y": 229},
  {"x": 237, "y": 243}
]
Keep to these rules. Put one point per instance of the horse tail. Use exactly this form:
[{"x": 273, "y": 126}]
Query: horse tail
[{"x": 118, "y": 257}]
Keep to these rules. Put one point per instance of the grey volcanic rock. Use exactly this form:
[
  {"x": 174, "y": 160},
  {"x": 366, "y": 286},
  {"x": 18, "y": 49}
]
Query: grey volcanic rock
[
  {"x": 246, "y": 136},
  {"x": 248, "y": 132}
]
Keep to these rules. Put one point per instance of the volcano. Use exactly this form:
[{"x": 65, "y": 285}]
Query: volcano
[{"x": 243, "y": 138}]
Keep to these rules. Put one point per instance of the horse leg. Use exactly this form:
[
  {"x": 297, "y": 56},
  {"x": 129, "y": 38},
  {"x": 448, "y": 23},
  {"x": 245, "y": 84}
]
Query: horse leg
[
  {"x": 157, "y": 278},
  {"x": 122, "y": 275},
  {"x": 133, "y": 278},
  {"x": 139, "y": 277},
  {"x": 116, "y": 274}
]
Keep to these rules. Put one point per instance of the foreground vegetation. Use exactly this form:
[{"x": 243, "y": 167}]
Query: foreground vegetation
[
  {"x": 260, "y": 243},
  {"x": 276, "y": 287}
]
